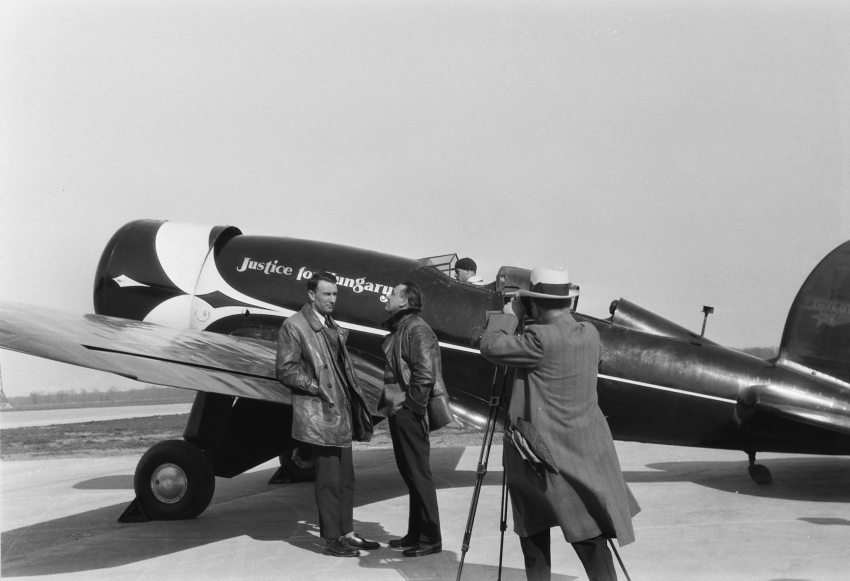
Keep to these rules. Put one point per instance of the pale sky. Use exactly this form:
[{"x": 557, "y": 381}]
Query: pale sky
[{"x": 677, "y": 154}]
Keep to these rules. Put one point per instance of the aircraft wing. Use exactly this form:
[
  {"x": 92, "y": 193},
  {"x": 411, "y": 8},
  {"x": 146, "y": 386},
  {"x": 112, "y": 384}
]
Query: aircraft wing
[{"x": 145, "y": 352}]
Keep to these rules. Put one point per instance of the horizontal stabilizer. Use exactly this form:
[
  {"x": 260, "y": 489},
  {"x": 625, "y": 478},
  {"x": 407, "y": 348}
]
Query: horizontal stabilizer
[{"x": 828, "y": 409}]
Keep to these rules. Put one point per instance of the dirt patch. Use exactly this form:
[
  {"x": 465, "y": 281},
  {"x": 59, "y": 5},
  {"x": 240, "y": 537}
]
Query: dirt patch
[
  {"x": 136, "y": 435},
  {"x": 90, "y": 438}
]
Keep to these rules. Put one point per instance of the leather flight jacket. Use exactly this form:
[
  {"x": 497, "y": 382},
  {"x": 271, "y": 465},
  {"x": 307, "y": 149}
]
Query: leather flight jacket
[
  {"x": 321, "y": 394},
  {"x": 414, "y": 368}
]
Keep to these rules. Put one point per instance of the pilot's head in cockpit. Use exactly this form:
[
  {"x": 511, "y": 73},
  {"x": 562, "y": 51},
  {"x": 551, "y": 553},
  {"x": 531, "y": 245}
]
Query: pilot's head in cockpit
[{"x": 467, "y": 271}]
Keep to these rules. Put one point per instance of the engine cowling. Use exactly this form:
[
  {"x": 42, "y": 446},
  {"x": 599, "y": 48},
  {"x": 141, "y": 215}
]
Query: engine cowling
[{"x": 154, "y": 270}]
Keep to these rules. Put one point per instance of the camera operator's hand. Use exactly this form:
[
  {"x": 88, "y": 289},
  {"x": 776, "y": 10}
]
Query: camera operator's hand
[{"x": 514, "y": 307}]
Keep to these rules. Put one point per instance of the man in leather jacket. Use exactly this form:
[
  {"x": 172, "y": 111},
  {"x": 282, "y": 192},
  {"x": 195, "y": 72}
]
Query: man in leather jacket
[
  {"x": 412, "y": 371},
  {"x": 328, "y": 410}
]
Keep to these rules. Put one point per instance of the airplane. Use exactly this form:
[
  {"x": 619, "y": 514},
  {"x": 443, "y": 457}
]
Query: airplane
[{"x": 199, "y": 307}]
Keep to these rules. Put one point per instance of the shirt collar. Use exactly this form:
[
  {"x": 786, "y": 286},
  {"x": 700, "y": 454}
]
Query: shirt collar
[{"x": 319, "y": 316}]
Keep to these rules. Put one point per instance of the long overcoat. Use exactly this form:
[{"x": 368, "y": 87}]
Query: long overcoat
[
  {"x": 328, "y": 408},
  {"x": 555, "y": 390}
]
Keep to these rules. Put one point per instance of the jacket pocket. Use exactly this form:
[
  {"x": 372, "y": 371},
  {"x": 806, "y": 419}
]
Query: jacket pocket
[
  {"x": 327, "y": 412},
  {"x": 393, "y": 397}
]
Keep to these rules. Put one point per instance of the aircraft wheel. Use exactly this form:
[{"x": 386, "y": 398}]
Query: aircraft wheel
[
  {"x": 297, "y": 461},
  {"x": 174, "y": 480}
]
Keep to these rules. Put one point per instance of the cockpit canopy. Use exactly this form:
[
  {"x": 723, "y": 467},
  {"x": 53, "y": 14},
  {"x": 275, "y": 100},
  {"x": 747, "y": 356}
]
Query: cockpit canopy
[
  {"x": 508, "y": 279},
  {"x": 443, "y": 262}
]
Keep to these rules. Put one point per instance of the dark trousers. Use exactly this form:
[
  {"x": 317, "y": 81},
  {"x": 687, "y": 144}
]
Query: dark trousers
[
  {"x": 412, "y": 449},
  {"x": 593, "y": 553},
  {"x": 334, "y": 490}
]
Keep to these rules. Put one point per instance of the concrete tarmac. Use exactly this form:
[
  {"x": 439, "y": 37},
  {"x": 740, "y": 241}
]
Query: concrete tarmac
[{"x": 702, "y": 519}]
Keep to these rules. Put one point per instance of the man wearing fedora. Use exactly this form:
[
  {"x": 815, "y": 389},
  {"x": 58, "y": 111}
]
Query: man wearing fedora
[{"x": 554, "y": 390}]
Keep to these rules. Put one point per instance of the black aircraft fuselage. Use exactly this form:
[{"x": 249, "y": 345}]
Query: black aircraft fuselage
[{"x": 658, "y": 382}]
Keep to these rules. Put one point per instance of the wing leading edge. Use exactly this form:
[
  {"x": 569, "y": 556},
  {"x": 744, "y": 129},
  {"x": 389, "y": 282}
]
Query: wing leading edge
[{"x": 145, "y": 352}]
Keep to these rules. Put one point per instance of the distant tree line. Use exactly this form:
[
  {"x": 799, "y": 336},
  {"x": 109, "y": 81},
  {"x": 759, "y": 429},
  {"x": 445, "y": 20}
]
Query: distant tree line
[
  {"x": 112, "y": 396},
  {"x": 763, "y": 352}
]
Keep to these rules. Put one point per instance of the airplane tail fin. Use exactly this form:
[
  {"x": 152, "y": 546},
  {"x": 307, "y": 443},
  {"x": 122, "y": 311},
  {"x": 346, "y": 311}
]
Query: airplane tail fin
[{"x": 817, "y": 331}]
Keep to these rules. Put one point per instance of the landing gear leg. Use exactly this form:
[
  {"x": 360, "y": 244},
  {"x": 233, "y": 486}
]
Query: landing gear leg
[
  {"x": 758, "y": 472},
  {"x": 296, "y": 465}
]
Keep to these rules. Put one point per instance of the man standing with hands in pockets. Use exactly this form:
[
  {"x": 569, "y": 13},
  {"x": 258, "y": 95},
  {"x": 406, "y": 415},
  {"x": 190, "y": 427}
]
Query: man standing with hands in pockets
[
  {"x": 328, "y": 410},
  {"x": 412, "y": 373}
]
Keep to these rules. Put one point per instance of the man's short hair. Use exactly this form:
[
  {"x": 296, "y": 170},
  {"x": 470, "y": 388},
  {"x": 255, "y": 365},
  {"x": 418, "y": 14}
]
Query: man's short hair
[
  {"x": 552, "y": 304},
  {"x": 313, "y": 281},
  {"x": 413, "y": 293}
]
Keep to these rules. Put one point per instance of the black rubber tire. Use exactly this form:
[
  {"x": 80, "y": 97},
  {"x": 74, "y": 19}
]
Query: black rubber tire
[
  {"x": 297, "y": 461},
  {"x": 174, "y": 480}
]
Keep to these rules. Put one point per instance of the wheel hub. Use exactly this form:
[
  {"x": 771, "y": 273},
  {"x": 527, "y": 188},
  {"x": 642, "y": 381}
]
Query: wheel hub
[{"x": 169, "y": 483}]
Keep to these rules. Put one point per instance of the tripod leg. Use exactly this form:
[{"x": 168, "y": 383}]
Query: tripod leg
[
  {"x": 619, "y": 560},
  {"x": 479, "y": 479},
  {"x": 500, "y": 378},
  {"x": 503, "y": 524}
]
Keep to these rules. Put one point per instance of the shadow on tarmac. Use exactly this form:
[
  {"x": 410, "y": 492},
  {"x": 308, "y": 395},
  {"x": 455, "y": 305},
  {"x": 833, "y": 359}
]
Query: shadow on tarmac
[
  {"x": 119, "y": 482},
  {"x": 244, "y": 506},
  {"x": 806, "y": 478},
  {"x": 248, "y": 506}
]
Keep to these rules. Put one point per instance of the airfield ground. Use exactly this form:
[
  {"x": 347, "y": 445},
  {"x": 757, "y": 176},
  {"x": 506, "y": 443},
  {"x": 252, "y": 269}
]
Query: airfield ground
[
  {"x": 702, "y": 519},
  {"x": 135, "y": 435}
]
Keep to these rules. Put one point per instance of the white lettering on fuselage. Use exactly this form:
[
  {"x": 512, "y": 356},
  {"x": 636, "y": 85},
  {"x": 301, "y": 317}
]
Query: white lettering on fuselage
[
  {"x": 357, "y": 284},
  {"x": 271, "y": 267}
]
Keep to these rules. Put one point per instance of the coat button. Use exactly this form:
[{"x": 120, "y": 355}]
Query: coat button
[{"x": 330, "y": 405}]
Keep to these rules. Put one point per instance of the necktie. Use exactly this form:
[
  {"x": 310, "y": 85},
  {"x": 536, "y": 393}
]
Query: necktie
[{"x": 329, "y": 322}]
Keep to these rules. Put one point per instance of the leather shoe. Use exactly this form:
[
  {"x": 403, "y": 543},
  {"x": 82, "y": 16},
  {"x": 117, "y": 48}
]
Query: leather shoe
[
  {"x": 404, "y": 541},
  {"x": 361, "y": 543},
  {"x": 339, "y": 548},
  {"x": 422, "y": 549}
]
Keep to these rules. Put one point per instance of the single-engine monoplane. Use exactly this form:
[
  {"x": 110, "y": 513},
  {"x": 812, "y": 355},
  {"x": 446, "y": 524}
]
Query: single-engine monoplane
[{"x": 199, "y": 308}]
